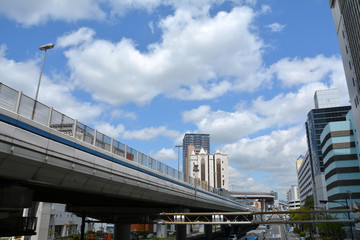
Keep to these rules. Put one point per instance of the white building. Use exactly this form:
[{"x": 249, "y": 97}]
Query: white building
[
  {"x": 210, "y": 169},
  {"x": 305, "y": 181},
  {"x": 62, "y": 223},
  {"x": 281, "y": 205},
  {"x": 293, "y": 197},
  {"x": 54, "y": 222}
]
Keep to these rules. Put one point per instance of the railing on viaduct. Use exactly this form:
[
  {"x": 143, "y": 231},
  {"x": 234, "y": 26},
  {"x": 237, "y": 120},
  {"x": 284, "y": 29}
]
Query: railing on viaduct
[{"x": 19, "y": 103}]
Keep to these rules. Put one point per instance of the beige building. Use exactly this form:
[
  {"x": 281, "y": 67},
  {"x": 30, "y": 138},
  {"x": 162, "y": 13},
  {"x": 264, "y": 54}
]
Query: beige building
[{"x": 209, "y": 169}]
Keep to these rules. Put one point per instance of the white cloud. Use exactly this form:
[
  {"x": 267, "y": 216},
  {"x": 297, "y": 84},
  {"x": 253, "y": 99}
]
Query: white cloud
[
  {"x": 197, "y": 114},
  {"x": 276, "y": 27},
  {"x": 275, "y": 152},
  {"x": 270, "y": 157},
  {"x": 243, "y": 182},
  {"x": 164, "y": 155},
  {"x": 287, "y": 108},
  {"x": 82, "y": 35},
  {"x": 38, "y": 12},
  {"x": 265, "y": 9},
  {"x": 224, "y": 126},
  {"x": 296, "y": 71},
  {"x": 120, "y": 8},
  {"x": 151, "y": 26},
  {"x": 150, "y": 133},
  {"x": 198, "y": 92},
  {"x": 110, "y": 130},
  {"x": 198, "y": 58},
  {"x": 13, "y": 73},
  {"x": 118, "y": 114}
]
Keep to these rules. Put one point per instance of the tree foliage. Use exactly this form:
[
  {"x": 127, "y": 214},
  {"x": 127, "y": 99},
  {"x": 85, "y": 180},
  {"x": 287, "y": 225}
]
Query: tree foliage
[
  {"x": 331, "y": 230},
  {"x": 326, "y": 230}
]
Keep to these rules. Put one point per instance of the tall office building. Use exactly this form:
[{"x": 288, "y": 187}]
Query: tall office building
[
  {"x": 305, "y": 182},
  {"x": 326, "y": 110},
  {"x": 194, "y": 142},
  {"x": 346, "y": 15},
  {"x": 316, "y": 121},
  {"x": 299, "y": 161},
  {"x": 293, "y": 197},
  {"x": 342, "y": 172},
  {"x": 341, "y": 163}
]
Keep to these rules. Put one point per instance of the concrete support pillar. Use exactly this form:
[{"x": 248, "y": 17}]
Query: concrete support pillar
[
  {"x": 161, "y": 231},
  {"x": 188, "y": 229},
  {"x": 43, "y": 211},
  {"x": 181, "y": 232},
  {"x": 265, "y": 205},
  {"x": 208, "y": 231},
  {"x": 122, "y": 231}
]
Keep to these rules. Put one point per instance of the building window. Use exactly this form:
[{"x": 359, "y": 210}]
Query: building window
[
  {"x": 219, "y": 173},
  {"x": 202, "y": 169}
]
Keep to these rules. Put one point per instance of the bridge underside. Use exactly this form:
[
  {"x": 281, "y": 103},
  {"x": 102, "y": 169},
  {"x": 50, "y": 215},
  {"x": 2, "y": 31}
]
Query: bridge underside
[{"x": 108, "y": 209}]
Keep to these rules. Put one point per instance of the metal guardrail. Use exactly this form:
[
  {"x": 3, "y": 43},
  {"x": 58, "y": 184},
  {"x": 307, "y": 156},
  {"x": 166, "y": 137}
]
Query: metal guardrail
[
  {"x": 19, "y": 103},
  {"x": 255, "y": 217}
]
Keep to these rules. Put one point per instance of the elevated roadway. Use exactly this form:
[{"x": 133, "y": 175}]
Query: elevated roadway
[{"x": 47, "y": 156}]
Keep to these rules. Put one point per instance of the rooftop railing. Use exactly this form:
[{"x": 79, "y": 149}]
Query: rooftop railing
[{"x": 17, "y": 102}]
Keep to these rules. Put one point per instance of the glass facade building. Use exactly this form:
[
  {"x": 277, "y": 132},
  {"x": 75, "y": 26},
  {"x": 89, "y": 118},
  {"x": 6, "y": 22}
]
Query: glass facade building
[
  {"x": 317, "y": 119},
  {"x": 199, "y": 141}
]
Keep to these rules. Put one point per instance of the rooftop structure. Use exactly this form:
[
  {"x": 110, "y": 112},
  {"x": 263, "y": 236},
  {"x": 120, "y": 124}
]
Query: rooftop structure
[{"x": 326, "y": 98}]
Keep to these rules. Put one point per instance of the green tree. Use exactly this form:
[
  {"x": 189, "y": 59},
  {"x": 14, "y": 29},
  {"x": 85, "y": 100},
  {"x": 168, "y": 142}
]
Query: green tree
[
  {"x": 297, "y": 216},
  {"x": 331, "y": 230}
]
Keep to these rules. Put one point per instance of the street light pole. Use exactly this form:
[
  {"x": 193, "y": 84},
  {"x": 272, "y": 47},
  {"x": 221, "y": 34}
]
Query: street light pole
[{"x": 42, "y": 48}]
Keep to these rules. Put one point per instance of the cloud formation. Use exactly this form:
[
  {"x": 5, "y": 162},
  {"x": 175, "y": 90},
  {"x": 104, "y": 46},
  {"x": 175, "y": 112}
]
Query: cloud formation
[
  {"x": 276, "y": 27},
  {"x": 38, "y": 12},
  {"x": 192, "y": 62}
]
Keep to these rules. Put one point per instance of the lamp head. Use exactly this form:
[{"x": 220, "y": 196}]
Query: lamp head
[{"x": 46, "y": 46}]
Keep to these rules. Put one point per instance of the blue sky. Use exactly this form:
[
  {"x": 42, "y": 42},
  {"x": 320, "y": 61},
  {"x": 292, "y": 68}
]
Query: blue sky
[{"x": 148, "y": 71}]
